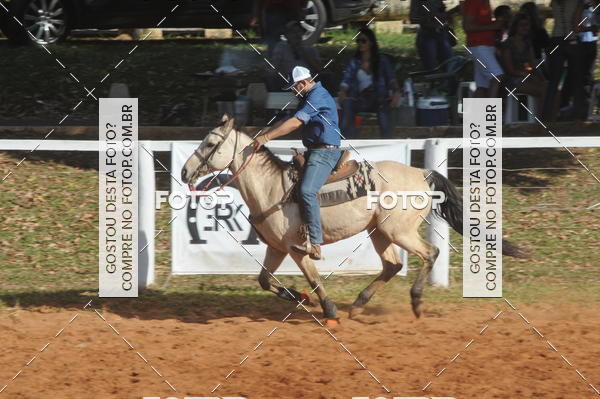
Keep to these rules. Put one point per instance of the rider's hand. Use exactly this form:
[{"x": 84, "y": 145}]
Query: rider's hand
[{"x": 260, "y": 141}]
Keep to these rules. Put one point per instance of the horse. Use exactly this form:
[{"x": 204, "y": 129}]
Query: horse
[{"x": 260, "y": 182}]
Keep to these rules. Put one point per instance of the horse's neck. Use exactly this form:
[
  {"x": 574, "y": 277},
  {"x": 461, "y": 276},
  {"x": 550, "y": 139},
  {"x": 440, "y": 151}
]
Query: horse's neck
[{"x": 259, "y": 183}]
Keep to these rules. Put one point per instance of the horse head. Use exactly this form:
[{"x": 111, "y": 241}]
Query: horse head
[{"x": 216, "y": 152}]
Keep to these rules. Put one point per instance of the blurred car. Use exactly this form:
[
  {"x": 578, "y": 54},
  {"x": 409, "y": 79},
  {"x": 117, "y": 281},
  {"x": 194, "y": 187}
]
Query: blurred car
[{"x": 50, "y": 21}]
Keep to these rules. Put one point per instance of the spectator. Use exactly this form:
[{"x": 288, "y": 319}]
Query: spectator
[
  {"x": 502, "y": 13},
  {"x": 433, "y": 44},
  {"x": 587, "y": 52},
  {"x": 272, "y": 16},
  {"x": 589, "y": 43},
  {"x": 539, "y": 35},
  {"x": 289, "y": 54},
  {"x": 368, "y": 81},
  {"x": 518, "y": 59},
  {"x": 481, "y": 37},
  {"x": 564, "y": 45}
]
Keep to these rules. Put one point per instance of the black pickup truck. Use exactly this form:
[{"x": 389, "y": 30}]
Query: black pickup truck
[{"x": 49, "y": 21}]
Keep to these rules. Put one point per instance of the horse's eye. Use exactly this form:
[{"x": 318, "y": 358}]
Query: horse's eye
[{"x": 210, "y": 145}]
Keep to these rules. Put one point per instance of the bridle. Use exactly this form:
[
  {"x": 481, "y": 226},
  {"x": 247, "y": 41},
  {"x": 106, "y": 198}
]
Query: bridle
[{"x": 204, "y": 161}]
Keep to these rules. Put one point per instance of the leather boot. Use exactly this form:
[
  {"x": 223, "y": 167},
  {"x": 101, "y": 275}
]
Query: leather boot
[{"x": 312, "y": 250}]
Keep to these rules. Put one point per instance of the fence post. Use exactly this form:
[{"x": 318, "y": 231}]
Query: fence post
[
  {"x": 146, "y": 199},
  {"x": 438, "y": 233}
]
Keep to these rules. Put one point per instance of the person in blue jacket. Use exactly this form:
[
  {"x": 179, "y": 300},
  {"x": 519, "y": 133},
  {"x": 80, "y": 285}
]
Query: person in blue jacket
[
  {"x": 369, "y": 85},
  {"x": 317, "y": 120}
]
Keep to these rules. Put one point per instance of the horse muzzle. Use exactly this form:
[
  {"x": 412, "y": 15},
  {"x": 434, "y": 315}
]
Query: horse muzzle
[
  {"x": 188, "y": 178},
  {"x": 192, "y": 177}
]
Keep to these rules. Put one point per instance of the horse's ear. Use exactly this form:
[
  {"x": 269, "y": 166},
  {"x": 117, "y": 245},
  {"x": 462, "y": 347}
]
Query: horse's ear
[{"x": 228, "y": 125}]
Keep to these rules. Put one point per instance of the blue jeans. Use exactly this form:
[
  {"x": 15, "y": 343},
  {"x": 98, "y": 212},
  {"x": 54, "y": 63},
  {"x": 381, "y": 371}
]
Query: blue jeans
[
  {"x": 318, "y": 167},
  {"x": 367, "y": 101},
  {"x": 433, "y": 47}
]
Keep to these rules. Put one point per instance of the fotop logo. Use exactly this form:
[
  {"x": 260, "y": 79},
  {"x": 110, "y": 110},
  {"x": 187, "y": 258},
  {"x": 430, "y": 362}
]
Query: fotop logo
[
  {"x": 416, "y": 199},
  {"x": 207, "y": 200}
]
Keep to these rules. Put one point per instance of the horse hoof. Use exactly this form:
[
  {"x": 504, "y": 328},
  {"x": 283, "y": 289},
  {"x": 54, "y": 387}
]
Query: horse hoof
[
  {"x": 332, "y": 323},
  {"x": 355, "y": 311},
  {"x": 305, "y": 298},
  {"x": 416, "y": 307}
]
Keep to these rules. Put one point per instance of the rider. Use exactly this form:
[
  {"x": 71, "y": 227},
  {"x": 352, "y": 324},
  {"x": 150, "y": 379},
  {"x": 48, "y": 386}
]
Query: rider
[{"x": 318, "y": 119}]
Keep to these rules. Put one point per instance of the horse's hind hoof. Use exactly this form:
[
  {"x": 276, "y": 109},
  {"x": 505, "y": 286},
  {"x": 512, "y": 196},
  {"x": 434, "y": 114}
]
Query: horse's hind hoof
[
  {"x": 289, "y": 294},
  {"x": 305, "y": 298}
]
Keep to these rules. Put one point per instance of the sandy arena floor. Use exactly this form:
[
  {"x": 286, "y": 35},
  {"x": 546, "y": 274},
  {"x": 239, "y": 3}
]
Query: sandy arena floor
[{"x": 507, "y": 360}]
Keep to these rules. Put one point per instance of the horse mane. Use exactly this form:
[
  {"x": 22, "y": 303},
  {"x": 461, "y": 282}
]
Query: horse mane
[{"x": 272, "y": 161}]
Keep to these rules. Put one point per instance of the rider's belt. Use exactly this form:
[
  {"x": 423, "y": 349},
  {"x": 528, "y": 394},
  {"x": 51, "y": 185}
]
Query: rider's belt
[{"x": 320, "y": 146}]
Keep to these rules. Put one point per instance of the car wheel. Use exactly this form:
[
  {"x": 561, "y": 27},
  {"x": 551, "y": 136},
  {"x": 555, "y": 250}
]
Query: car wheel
[
  {"x": 44, "y": 21},
  {"x": 314, "y": 21}
]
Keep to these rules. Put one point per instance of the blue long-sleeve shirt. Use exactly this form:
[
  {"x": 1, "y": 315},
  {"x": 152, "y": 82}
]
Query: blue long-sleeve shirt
[{"x": 318, "y": 112}]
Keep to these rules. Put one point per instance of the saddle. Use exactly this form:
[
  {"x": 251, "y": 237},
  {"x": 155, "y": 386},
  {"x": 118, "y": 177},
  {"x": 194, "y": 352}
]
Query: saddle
[
  {"x": 344, "y": 168},
  {"x": 348, "y": 180}
]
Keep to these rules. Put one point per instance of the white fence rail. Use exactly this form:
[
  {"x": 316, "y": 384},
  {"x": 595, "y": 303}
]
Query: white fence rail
[{"x": 436, "y": 153}]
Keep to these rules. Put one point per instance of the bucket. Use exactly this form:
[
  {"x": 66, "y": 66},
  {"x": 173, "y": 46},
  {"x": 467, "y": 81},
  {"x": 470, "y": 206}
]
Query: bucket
[
  {"x": 433, "y": 111},
  {"x": 241, "y": 108}
]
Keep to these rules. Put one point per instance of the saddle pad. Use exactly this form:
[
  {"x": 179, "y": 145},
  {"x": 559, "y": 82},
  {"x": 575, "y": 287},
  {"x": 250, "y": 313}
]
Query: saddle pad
[{"x": 354, "y": 186}]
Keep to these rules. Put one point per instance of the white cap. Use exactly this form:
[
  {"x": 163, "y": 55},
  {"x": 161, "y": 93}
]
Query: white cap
[{"x": 299, "y": 73}]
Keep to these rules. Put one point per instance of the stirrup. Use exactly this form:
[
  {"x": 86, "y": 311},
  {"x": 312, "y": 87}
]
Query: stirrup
[{"x": 313, "y": 251}]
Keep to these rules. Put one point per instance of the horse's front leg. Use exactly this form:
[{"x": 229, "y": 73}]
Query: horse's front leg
[
  {"x": 273, "y": 259},
  {"x": 314, "y": 279}
]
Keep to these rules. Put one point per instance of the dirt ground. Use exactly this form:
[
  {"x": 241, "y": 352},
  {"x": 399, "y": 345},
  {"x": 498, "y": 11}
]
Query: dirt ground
[{"x": 508, "y": 359}]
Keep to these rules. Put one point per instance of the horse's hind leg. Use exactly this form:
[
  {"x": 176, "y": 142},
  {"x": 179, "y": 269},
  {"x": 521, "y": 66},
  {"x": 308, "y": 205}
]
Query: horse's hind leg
[
  {"x": 314, "y": 279},
  {"x": 428, "y": 252},
  {"x": 391, "y": 266}
]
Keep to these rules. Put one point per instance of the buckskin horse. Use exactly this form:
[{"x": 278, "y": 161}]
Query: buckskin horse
[{"x": 260, "y": 179}]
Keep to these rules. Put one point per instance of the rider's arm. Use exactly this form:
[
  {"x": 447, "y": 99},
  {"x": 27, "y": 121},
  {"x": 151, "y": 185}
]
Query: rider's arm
[
  {"x": 284, "y": 128},
  {"x": 278, "y": 130}
]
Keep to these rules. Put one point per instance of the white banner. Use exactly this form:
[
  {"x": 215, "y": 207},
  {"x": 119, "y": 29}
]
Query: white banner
[
  {"x": 201, "y": 245},
  {"x": 482, "y": 197},
  {"x": 118, "y": 195}
]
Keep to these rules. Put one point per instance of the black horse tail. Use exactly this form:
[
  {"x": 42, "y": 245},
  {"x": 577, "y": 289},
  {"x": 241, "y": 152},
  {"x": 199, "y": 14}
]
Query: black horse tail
[{"x": 451, "y": 210}]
